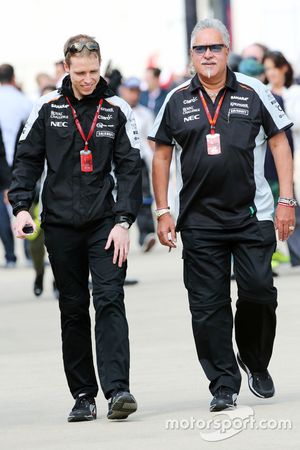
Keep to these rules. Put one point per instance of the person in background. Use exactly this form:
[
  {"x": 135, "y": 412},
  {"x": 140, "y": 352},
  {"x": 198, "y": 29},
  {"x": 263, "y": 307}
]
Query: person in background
[
  {"x": 14, "y": 111},
  {"x": 255, "y": 51},
  {"x": 36, "y": 247},
  {"x": 280, "y": 76},
  {"x": 60, "y": 73},
  {"x": 36, "y": 240},
  {"x": 253, "y": 68},
  {"x": 5, "y": 173},
  {"x": 234, "y": 60},
  {"x": 5, "y": 179},
  {"x": 130, "y": 91},
  {"x": 44, "y": 81},
  {"x": 154, "y": 96}
]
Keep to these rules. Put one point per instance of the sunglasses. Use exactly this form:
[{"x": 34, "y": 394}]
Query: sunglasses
[
  {"x": 214, "y": 48},
  {"x": 77, "y": 47}
]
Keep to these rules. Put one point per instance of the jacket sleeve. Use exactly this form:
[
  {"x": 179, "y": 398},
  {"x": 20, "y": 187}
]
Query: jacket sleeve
[
  {"x": 29, "y": 161},
  {"x": 127, "y": 166},
  {"x": 5, "y": 172}
]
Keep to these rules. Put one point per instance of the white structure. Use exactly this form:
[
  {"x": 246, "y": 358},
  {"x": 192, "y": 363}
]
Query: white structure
[
  {"x": 274, "y": 23},
  {"x": 33, "y": 32}
]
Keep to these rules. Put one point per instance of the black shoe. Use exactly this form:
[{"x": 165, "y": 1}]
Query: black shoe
[
  {"x": 121, "y": 405},
  {"x": 84, "y": 409},
  {"x": 260, "y": 383},
  {"x": 224, "y": 398},
  {"x": 38, "y": 285}
]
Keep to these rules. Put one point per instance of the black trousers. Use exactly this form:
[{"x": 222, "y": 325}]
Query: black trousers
[
  {"x": 144, "y": 218},
  {"x": 73, "y": 253},
  {"x": 6, "y": 234},
  {"x": 207, "y": 266}
]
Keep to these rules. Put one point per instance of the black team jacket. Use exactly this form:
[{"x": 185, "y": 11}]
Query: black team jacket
[{"x": 70, "y": 196}]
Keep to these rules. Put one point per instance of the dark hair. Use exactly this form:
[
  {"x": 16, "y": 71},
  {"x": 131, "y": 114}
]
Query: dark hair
[
  {"x": 233, "y": 61},
  {"x": 280, "y": 61},
  {"x": 48, "y": 88},
  {"x": 263, "y": 47},
  {"x": 85, "y": 51},
  {"x": 6, "y": 73},
  {"x": 155, "y": 71}
]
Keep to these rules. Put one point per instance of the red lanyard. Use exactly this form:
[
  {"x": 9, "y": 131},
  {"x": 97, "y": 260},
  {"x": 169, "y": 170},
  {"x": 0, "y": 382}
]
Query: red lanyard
[
  {"x": 212, "y": 121},
  {"x": 78, "y": 124}
]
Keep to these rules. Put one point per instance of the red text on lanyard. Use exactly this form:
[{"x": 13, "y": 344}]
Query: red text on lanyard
[{"x": 212, "y": 121}]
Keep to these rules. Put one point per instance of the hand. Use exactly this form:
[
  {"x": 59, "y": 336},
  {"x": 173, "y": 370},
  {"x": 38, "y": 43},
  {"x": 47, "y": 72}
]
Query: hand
[
  {"x": 5, "y": 197},
  {"x": 120, "y": 237},
  {"x": 166, "y": 231},
  {"x": 23, "y": 218},
  {"x": 284, "y": 221}
]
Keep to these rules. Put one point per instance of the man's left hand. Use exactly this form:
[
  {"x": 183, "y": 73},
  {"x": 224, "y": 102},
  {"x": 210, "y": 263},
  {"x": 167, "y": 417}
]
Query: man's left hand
[
  {"x": 284, "y": 221},
  {"x": 120, "y": 237}
]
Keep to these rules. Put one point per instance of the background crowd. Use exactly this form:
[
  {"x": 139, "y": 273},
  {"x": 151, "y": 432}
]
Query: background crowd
[{"x": 146, "y": 97}]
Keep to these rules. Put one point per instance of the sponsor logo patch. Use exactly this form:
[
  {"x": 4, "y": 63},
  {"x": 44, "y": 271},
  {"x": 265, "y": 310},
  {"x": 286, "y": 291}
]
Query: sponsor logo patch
[
  {"x": 58, "y": 124},
  {"x": 189, "y": 110},
  {"x": 190, "y": 118},
  {"x": 54, "y": 105},
  {"x": 236, "y": 97},
  {"x": 192, "y": 100},
  {"x": 243, "y": 112},
  {"x": 58, "y": 115},
  {"x": 239, "y": 105},
  {"x": 105, "y": 133},
  {"x": 104, "y": 125},
  {"x": 276, "y": 104},
  {"x": 108, "y": 117}
]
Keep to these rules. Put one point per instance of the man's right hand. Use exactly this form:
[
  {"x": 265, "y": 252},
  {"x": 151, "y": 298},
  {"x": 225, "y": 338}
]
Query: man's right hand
[
  {"x": 23, "y": 218},
  {"x": 166, "y": 231}
]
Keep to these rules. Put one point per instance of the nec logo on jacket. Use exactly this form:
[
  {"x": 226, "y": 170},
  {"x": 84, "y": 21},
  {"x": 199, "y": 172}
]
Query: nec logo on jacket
[{"x": 58, "y": 124}]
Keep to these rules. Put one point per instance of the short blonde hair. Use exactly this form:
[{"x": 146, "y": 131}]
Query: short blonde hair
[{"x": 85, "y": 51}]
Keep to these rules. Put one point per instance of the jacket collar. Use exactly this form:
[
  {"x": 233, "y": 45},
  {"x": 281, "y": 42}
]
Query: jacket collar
[
  {"x": 231, "y": 82},
  {"x": 102, "y": 90}
]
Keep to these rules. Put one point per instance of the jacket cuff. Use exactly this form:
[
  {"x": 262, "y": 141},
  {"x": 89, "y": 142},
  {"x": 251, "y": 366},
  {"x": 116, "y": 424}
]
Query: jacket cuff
[
  {"x": 19, "y": 207},
  {"x": 124, "y": 218}
]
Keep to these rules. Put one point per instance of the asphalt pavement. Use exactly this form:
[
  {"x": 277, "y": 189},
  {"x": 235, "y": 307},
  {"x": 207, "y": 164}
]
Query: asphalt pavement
[{"x": 171, "y": 390}]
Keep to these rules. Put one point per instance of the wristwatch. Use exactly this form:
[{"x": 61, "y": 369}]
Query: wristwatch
[
  {"x": 124, "y": 225},
  {"x": 288, "y": 201}
]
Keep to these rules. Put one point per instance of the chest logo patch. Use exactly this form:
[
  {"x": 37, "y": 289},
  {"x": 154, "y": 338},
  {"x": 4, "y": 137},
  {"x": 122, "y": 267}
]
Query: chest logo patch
[
  {"x": 105, "y": 133},
  {"x": 190, "y": 118},
  {"x": 58, "y": 124},
  {"x": 242, "y": 112}
]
